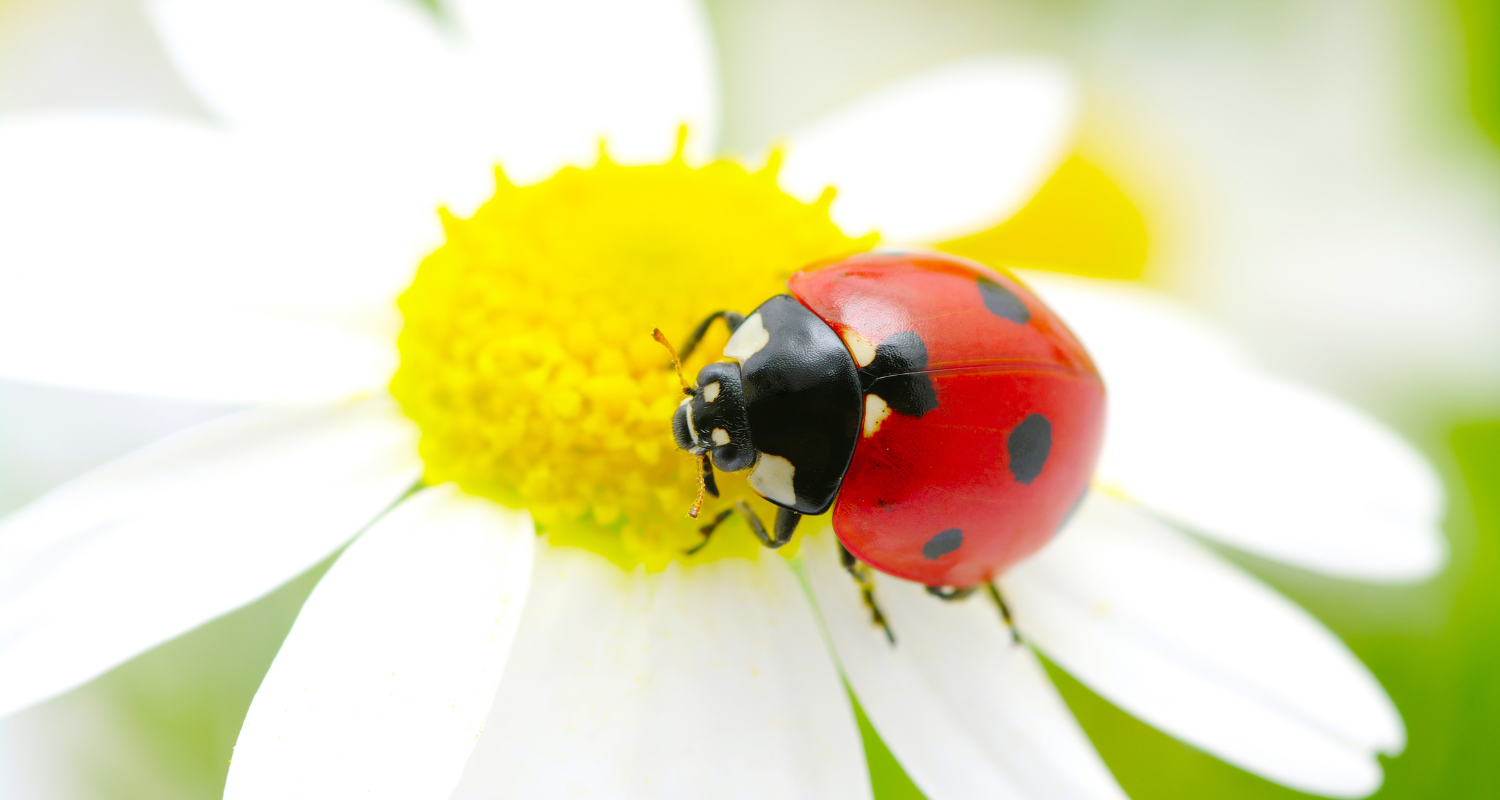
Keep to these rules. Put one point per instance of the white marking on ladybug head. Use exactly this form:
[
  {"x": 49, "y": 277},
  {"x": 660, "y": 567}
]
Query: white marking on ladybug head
[
  {"x": 861, "y": 348},
  {"x": 711, "y": 392},
  {"x": 876, "y": 410},
  {"x": 721, "y": 437},
  {"x": 692, "y": 429},
  {"x": 748, "y": 339},
  {"x": 773, "y": 479}
]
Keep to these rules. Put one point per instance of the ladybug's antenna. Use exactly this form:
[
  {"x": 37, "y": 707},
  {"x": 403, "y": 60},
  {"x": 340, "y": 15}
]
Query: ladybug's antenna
[
  {"x": 706, "y": 484},
  {"x": 698, "y": 503},
  {"x": 686, "y": 387}
]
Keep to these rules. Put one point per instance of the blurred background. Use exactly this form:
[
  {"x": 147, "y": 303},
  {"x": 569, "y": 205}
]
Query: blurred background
[{"x": 1321, "y": 177}]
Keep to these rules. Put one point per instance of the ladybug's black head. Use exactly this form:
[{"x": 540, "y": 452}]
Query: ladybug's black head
[{"x": 712, "y": 419}]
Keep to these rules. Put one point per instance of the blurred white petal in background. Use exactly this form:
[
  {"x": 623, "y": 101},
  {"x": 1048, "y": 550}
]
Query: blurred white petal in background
[{"x": 1266, "y": 147}]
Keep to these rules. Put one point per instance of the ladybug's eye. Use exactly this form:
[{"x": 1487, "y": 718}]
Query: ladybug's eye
[{"x": 527, "y": 358}]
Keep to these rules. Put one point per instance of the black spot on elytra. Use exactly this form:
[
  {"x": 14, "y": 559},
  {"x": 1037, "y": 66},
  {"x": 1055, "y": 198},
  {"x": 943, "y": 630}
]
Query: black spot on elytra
[
  {"x": 895, "y": 375},
  {"x": 1029, "y": 444},
  {"x": 942, "y": 544},
  {"x": 1002, "y": 302}
]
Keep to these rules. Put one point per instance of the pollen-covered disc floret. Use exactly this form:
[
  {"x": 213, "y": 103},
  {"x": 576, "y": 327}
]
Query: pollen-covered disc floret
[{"x": 527, "y": 358}]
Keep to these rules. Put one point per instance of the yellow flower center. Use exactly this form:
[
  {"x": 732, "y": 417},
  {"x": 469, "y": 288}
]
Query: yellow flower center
[{"x": 527, "y": 358}]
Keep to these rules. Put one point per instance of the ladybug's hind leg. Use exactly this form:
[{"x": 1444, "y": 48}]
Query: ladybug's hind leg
[
  {"x": 861, "y": 575},
  {"x": 956, "y": 593}
]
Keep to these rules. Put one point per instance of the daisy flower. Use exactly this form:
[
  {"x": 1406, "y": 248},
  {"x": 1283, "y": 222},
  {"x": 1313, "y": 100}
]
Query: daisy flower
[{"x": 451, "y": 650}]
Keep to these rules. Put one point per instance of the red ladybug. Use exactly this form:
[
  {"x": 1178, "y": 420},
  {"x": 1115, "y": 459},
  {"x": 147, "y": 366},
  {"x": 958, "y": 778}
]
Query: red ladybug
[{"x": 947, "y": 416}]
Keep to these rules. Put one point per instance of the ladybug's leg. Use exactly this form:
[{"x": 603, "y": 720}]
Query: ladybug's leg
[
  {"x": 732, "y": 320},
  {"x": 783, "y": 527},
  {"x": 708, "y": 530},
  {"x": 951, "y": 593},
  {"x": 1004, "y": 611},
  {"x": 786, "y": 525},
  {"x": 861, "y": 575},
  {"x": 753, "y": 520}
]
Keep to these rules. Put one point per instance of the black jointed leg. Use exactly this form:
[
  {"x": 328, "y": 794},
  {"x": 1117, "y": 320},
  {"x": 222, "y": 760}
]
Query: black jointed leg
[
  {"x": 753, "y": 520},
  {"x": 708, "y": 530},
  {"x": 951, "y": 593},
  {"x": 732, "y": 320},
  {"x": 861, "y": 575},
  {"x": 1004, "y": 612},
  {"x": 786, "y": 525}
]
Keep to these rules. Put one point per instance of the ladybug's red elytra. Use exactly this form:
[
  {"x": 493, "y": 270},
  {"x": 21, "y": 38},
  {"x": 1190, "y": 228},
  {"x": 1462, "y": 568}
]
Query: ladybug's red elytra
[{"x": 949, "y": 418}]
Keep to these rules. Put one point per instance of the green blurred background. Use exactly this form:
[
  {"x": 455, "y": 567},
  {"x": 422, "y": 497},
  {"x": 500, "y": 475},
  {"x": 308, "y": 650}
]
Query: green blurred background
[{"x": 1320, "y": 177}]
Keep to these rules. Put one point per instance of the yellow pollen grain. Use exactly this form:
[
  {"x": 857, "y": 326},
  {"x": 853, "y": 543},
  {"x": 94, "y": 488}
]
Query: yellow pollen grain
[{"x": 527, "y": 358}]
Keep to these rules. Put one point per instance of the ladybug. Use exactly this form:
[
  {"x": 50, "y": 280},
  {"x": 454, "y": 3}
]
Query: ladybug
[{"x": 947, "y": 417}]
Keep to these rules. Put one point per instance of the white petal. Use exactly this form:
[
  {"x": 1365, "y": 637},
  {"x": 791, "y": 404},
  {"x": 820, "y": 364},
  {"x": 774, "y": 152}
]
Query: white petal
[
  {"x": 1281, "y": 471},
  {"x": 1181, "y": 639},
  {"x": 159, "y": 542},
  {"x": 349, "y": 65},
  {"x": 580, "y": 70},
  {"x": 967, "y": 712},
  {"x": 376, "y": 86},
  {"x": 110, "y": 203},
  {"x": 944, "y": 153},
  {"x": 1198, "y": 435},
  {"x": 192, "y": 352},
  {"x": 711, "y": 681},
  {"x": 530, "y": 85},
  {"x": 143, "y": 255},
  {"x": 1128, "y": 327},
  {"x": 384, "y": 683}
]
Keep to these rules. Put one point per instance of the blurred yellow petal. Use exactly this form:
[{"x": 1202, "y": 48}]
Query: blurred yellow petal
[{"x": 1081, "y": 222}]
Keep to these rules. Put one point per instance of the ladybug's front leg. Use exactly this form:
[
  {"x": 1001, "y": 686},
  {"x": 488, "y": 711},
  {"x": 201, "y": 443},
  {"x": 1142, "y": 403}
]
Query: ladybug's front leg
[
  {"x": 732, "y": 320},
  {"x": 786, "y": 525},
  {"x": 861, "y": 575}
]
